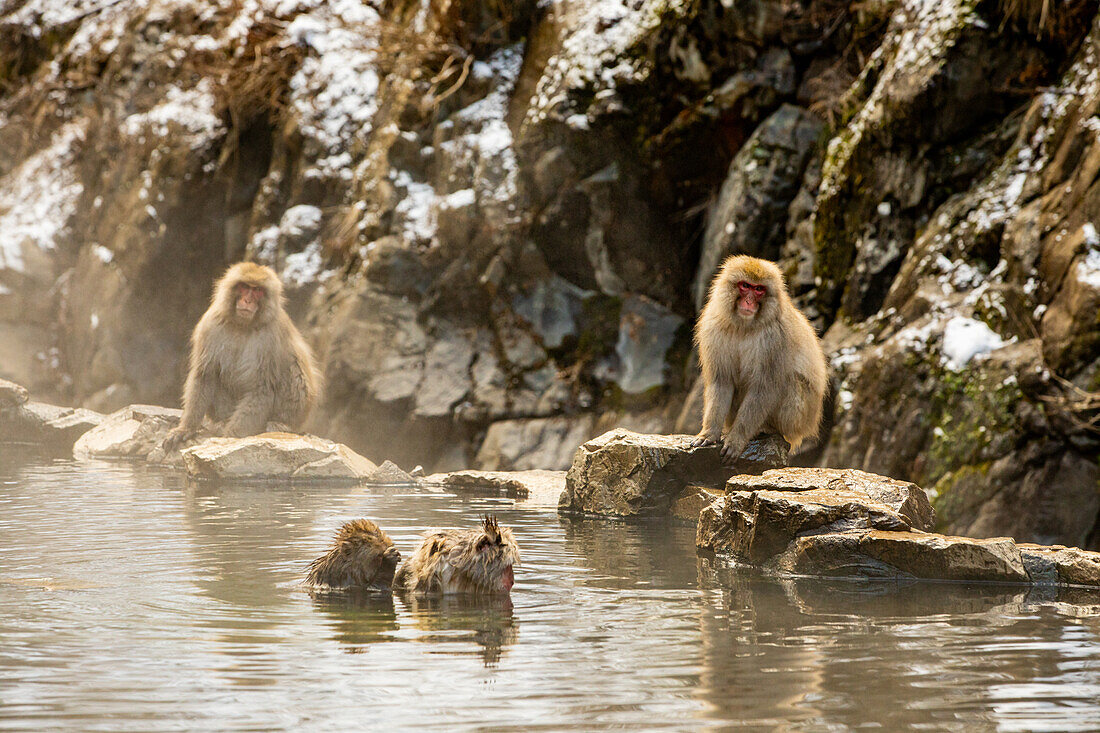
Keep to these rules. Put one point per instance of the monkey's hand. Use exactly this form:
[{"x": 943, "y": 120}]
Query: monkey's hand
[{"x": 702, "y": 439}]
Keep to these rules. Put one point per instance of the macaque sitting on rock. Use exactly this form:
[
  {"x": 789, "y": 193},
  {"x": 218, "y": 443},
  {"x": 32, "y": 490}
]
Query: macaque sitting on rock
[
  {"x": 461, "y": 561},
  {"x": 362, "y": 557},
  {"x": 250, "y": 369},
  {"x": 762, "y": 363}
]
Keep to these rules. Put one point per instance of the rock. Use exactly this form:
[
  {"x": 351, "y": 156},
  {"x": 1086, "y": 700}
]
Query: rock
[
  {"x": 692, "y": 501},
  {"x": 763, "y": 453},
  {"x": 750, "y": 214},
  {"x": 12, "y": 395},
  {"x": 132, "y": 432},
  {"x": 37, "y": 422},
  {"x": 546, "y": 443},
  {"x": 1060, "y": 565},
  {"x": 276, "y": 455},
  {"x": 390, "y": 473},
  {"x": 647, "y": 331},
  {"x": 622, "y": 473},
  {"x": 904, "y": 498},
  {"x": 905, "y": 554},
  {"x": 535, "y": 486},
  {"x": 551, "y": 307},
  {"x": 755, "y": 526}
]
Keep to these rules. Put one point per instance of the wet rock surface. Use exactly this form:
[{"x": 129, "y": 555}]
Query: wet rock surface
[
  {"x": 856, "y": 525},
  {"x": 136, "y": 431},
  {"x": 37, "y": 422},
  {"x": 622, "y": 473},
  {"x": 276, "y": 456},
  {"x": 757, "y": 524},
  {"x": 533, "y": 486},
  {"x": 896, "y": 555}
]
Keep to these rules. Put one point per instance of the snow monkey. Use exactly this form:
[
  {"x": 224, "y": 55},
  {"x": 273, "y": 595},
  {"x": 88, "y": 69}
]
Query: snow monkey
[
  {"x": 249, "y": 365},
  {"x": 362, "y": 556},
  {"x": 461, "y": 561},
  {"x": 763, "y": 368}
]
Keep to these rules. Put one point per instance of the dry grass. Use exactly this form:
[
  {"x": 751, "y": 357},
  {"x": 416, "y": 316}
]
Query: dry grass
[{"x": 1059, "y": 21}]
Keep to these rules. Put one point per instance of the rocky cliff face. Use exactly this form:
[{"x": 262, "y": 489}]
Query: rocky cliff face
[{"x": 496, "y": 221}]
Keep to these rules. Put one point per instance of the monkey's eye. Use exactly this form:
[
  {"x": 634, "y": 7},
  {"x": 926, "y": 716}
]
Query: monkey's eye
[{"x": 745, "y": 286}]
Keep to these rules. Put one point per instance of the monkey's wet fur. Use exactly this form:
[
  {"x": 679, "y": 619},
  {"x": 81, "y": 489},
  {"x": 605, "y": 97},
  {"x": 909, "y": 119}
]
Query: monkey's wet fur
[
  {"x": 362, "y": 557},
  {"x": 448, "y": 561}
]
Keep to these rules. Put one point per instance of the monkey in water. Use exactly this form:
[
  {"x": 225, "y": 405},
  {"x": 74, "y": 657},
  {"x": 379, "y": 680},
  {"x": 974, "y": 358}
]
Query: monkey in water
[
  {"x": 461, "y": 561},
  {"x": 362, "y": 557},
  {"x": 762, "y": 363},
  {"x": 249, "y": 365}
]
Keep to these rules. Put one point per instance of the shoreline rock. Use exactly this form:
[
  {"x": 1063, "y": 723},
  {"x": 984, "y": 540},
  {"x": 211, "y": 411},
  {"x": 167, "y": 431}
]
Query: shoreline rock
[
  {"x": 276, "y": 456},
  {"x": 136, "y": 431},
  {"x": 534, "y": 486},
  {"x": 24, "y": 421},
  {"x": 623, "y": 473}
]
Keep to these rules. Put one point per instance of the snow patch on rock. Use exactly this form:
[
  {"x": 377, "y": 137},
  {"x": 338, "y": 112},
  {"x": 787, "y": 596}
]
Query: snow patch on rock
[
  {"x": 965, "y": 338},
  {"x": 38, "y": 198}
]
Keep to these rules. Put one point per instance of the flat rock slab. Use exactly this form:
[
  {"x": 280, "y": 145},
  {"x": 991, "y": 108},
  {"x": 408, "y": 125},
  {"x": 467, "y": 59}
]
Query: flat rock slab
[
  {"x": 37, "y": 422},
  {"x": 276, "y": 455},
  {"x": 622, "y": 473},
  {"x": 904, "y": 497},
  {"x": 543, "y": 488},
  {"x": 905, "y": 555},
  {"x": 132, "y": 432},
  {"x": 757, "y": 525}
]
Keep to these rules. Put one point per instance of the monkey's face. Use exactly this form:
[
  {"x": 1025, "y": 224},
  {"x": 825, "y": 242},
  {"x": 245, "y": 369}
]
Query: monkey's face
[
  {"x": 250, "y": 299},
  {"x": 496, "y": 556},
  {"x": 750, "y": 296}
]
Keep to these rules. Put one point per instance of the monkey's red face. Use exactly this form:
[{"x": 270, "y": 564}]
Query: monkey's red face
[
  {"x": 249, "y": 300},
  {"x": 749, "y": 297}
]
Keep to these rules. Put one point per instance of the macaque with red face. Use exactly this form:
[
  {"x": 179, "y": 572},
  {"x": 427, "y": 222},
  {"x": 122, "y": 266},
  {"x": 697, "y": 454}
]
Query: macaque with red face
[
  {"x": 461, "y": 561},
  {"x": 249, "y": 365},
  {"x": 762, "y": 365}
]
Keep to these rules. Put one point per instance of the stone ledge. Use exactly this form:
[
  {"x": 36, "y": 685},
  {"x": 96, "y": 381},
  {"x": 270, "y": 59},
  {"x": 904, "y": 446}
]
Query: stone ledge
[{"x": 276, "y": 455}]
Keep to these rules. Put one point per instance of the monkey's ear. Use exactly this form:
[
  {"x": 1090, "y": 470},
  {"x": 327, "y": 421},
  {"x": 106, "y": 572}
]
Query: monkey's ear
[{"x": 437, "y": 545}]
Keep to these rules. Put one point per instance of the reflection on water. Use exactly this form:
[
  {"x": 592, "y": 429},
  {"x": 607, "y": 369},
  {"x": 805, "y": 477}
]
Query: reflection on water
[
  {"x": 132, "y": 600},
  {"x": 358, "y": 618}
]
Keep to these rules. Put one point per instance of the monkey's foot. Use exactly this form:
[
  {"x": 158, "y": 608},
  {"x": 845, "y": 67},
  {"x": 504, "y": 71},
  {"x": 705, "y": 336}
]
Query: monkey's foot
[
  {"x": 764, "y": 452},
  {"x": 176, "y": 438},
  {"x": 731, "y": 451},
  {"x": 701, "y": 440}
]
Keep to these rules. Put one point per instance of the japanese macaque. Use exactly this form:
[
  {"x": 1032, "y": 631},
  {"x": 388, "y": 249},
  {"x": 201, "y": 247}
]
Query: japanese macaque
[
  {"x": 461, "y": 561},
  {"x": 763, "y": 367},
  {"x": 362, "y": 557},
  {"x": 249, "y": 365}
]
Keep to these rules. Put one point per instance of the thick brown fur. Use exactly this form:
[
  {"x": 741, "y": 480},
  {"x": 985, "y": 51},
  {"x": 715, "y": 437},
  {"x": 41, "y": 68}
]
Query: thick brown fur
[
  {"x": 362, "y": 556},
  {"x": 247, "y": 372},
  {"x": 761, "y": 373},
  {"x": 461, "y": 561}
]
